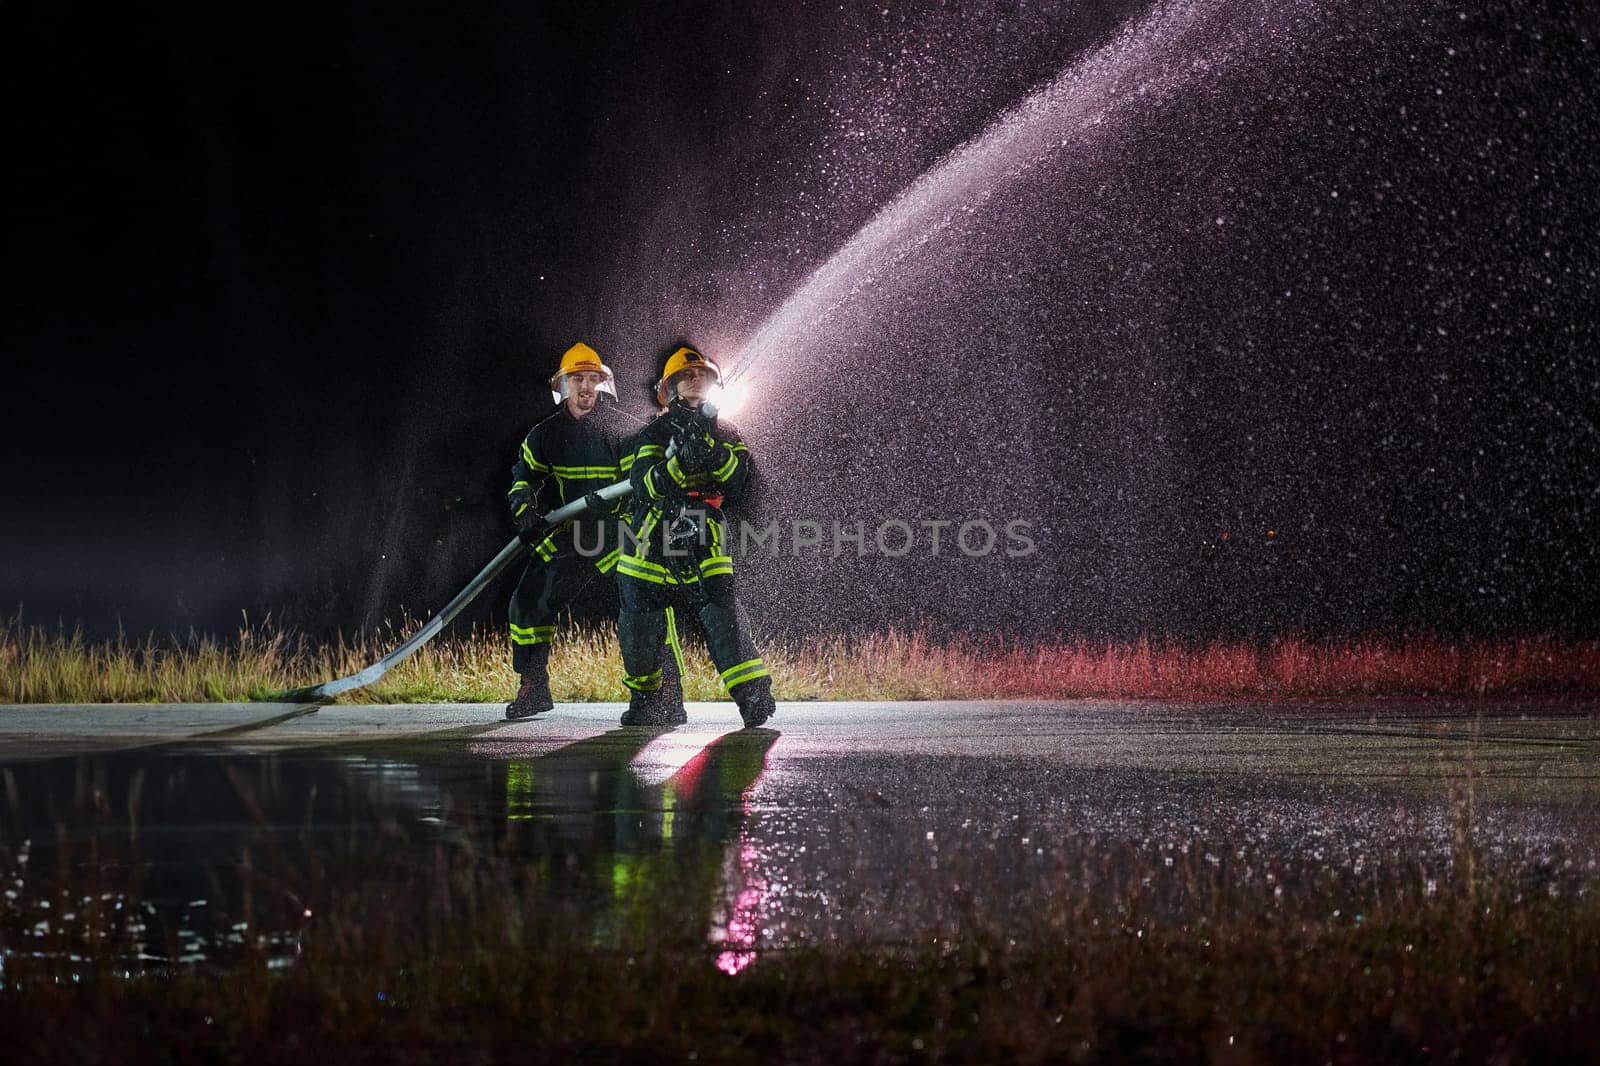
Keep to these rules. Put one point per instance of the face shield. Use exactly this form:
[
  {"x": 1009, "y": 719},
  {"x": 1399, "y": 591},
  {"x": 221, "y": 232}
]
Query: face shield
[
  {"x": 567, "y": 384},
  {"x": 709, "y": 386}
]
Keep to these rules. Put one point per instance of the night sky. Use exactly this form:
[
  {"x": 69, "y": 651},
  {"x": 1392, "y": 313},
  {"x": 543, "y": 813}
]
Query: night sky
[{"x": 1268, "y": 317}]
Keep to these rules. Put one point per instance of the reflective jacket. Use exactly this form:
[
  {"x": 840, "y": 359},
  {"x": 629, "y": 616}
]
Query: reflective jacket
[
  {"x": 564, "y": 458},
  {"x": 664, "y": 493}
]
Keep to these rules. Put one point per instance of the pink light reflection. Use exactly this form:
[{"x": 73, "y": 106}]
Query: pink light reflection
[
  {"x": 738, "y": 937},
  {"x": 744, "y": 924}
]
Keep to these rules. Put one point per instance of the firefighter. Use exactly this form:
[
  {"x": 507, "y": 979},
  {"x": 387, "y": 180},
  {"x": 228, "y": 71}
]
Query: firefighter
[
  {"x": 575, "y": 451},
  {"x": 685, "y": 466}
]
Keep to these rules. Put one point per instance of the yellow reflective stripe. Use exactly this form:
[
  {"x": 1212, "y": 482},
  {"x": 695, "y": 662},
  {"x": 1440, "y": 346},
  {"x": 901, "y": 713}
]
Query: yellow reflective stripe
[
  {"x": 578, "y": 472},
  {"x": 628, "y": 566},
  {"x": 748, "y": 670},
  {"x": 734, "y": 682},
  {"x": 675, "y": 472},
  {"x": 731, "y": 685},
  {"x": 650, "y": 482},
  {"x": 740, "y": 667},
  {"x": 608, "y": 563},
  {"x": 627, "y": 563},
  {"x": 527, "y": 457},
  {"x": 648, "y": 450},
  {"x": 649, "y": 579},
  {"x": 515, "y": 485},
  {"x": 625, "y": 463},
  {"x": 717, "y": 571},
  {"x": 642, "y": 543},
  {"x": 672, "y": 640},
  {"x": 526, "y": 635},
  {"x": 518, "y": 512},
  {"x": 725, "y": 471},
  {"x": 622, "y": 571},
  {"x": 650, "y": 682},
  {"x": 712, "y": 562},
  {"x": 547, "y": 548}
]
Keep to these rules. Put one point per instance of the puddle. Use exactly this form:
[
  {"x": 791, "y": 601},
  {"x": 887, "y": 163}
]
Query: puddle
[{"x": 714, "y": 842}]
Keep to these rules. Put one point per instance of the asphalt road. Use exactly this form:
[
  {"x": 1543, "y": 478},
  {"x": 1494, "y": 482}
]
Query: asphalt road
[
  {"x": 840, "y": 822},
  {"x": 1538, "y": 748}
]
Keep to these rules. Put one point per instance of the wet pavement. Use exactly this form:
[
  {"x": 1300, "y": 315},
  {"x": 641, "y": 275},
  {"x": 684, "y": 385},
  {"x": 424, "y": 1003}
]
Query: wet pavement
[{"x": 842, "y": 823}]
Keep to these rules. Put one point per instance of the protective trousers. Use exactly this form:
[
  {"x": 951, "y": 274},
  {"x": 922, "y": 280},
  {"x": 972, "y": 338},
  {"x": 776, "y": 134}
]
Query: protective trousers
[
  {"x": 545, "y": 588},
  {"x": 641, "y": 628}
]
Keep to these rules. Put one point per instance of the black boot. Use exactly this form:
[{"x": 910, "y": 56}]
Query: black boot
[
  {"x": 669, "y": 710},
  {"x": 534, "y": 695},
  {"x": 653, "y": 709},
  {"x": 532, "y": 698},
  {"x": 641, "y": 633},
  {"x": 755, "y": 701}
]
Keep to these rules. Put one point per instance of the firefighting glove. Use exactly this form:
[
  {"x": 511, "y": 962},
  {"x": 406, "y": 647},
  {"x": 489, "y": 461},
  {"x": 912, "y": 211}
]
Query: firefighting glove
[
  {"x": 531, "y": 527},
  {"x": 596, "y": 504},
  {"x": 694, "y": 453}
]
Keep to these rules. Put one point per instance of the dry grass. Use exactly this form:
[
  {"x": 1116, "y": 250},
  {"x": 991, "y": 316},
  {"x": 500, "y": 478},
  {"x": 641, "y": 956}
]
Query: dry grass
[
  {"x": 38, "y": 665},
  {"x": 1235, "y": 995}
]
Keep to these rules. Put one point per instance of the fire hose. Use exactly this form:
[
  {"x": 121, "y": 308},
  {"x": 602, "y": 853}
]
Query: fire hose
[{"x": 508, "y": 555}]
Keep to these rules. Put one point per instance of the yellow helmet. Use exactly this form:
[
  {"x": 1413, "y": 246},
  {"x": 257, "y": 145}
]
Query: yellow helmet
[
  {"x": 682, "y": 359},
  {"x": 578, "y": 359}
]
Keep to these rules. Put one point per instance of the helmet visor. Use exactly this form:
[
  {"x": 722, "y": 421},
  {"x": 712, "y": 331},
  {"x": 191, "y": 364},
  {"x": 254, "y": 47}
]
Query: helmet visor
[
  {"x": 709, "y": 389},
  {"x": 567, "y": 384}
]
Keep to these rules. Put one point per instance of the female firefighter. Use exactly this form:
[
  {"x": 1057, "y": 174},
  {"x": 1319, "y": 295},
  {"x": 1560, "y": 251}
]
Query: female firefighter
[{"x": 685, "y": 466}]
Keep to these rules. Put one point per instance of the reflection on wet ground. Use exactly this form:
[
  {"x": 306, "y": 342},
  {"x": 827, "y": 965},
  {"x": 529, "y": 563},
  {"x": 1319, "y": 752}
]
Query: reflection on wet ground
[
  {"x": 212, "y": 847},
  {"x": 737, "y": 842}
]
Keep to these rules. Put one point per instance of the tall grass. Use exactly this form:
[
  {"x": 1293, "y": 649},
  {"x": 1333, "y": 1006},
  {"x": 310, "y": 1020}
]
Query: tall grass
[
  {"x": 1418, "y": 988},
  {"x": 39, "y": 665}
]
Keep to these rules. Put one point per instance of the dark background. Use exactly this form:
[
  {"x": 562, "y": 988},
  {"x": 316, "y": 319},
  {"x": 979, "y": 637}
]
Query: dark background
[{"x": 285, "y": 287}]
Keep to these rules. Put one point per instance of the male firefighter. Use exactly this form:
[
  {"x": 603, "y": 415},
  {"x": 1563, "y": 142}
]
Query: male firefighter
[
  {"x": 685, "y": 465},
  {"x": 578, "y": 450}
]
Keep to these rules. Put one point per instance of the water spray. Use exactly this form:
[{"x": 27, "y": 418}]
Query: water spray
[
  {"x": 1145, "y": 60},
  {"x": 1152, "y": 59}
]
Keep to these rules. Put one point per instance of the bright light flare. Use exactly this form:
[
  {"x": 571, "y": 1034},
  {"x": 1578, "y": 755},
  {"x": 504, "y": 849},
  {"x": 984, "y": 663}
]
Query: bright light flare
[{"x": 731, "y": 396}]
